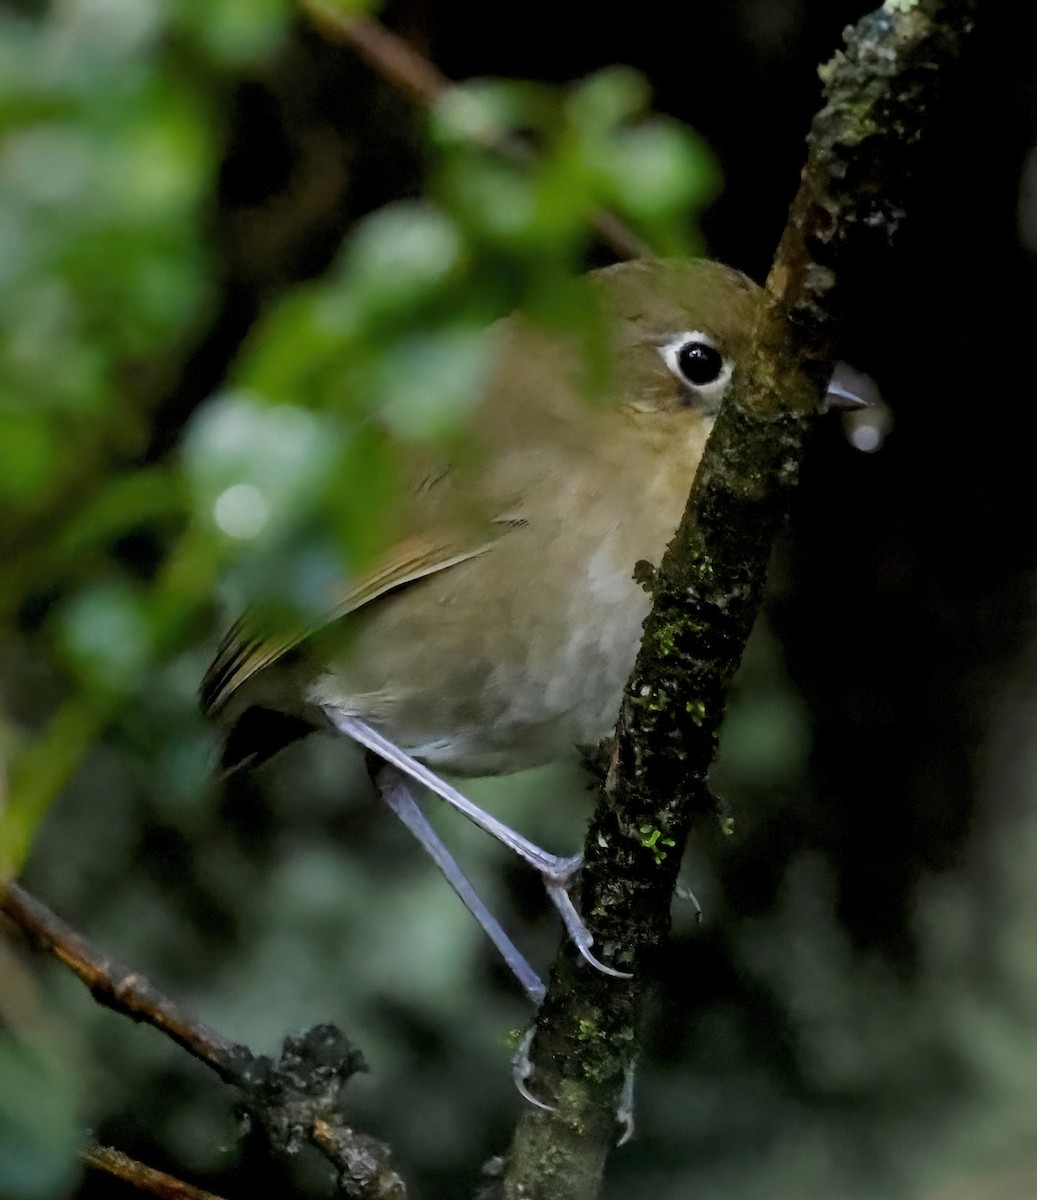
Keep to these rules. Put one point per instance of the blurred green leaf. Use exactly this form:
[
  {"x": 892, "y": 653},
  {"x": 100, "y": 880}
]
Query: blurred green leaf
[
  {"x": 256, "y": 471},
  {"x": 299, "y": 354},
  {"x": 151, "y": 498},
  {"x": 105, "y": 634},
  {"x": 591, "y": 147},
  {"x": 396, "y": 261},
  {"x": 478, "y": 114},
  {"x": 28, "y": 456},
  {"x": 337, "y": 9},
  {"x": 234, "y": 33},
  {"x": 429, "y": 384},
  {"x": 659, "y": 170},
  {"x": 607, "y": 99}
]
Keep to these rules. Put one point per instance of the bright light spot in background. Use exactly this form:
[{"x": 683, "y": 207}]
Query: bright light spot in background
[
  {"x": 866, "y": 438},
  {"x": 258, "y": 470},
  {"x": 241, "y": 511},
  {"x": 866, "y": 429}
]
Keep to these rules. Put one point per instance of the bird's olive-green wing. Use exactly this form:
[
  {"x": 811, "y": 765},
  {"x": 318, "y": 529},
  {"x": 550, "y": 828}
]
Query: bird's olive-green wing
[{"x": 250, "y": 647}]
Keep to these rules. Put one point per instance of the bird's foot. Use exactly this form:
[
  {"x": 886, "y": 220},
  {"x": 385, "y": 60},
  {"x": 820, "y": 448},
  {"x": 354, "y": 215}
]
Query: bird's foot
[
  {"x": 558, "y": 879},
  {"x": 683, "y": 892},
  {"x": 522, "y": 1070}
]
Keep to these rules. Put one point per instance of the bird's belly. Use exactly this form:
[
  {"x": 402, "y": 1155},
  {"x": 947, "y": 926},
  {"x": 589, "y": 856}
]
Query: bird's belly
[{"x": 541, "y": 674}]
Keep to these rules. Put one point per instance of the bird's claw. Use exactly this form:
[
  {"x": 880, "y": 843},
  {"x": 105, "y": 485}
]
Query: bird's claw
[
  {"x": 557, "y": 882},
  {"x": 580, "y": 936},
  {"x": 522, "y": 1070},
  {"x": 683, "y": 892},
  {"x": 625, "y": 1108}
]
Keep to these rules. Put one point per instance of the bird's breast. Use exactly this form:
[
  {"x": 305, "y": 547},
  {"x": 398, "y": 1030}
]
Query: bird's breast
[
  {"x": 510, "y": 659},
  {"x": 500, "y": 663}
]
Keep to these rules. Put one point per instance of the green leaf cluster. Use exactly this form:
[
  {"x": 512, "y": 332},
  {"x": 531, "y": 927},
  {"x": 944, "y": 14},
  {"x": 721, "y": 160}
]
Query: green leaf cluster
[{"x": 119, "y": 571}]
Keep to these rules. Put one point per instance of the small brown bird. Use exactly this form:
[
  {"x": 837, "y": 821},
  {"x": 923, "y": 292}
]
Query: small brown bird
[{"x": 498, "y": 632}]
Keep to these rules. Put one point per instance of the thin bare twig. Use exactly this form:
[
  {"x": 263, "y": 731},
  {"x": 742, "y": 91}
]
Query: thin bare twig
[
  {"x": 384, "y": 51},
  {"x": 148, "y": 1179},
  {"x": 295, "y": 1099},
  {"x": 118, "y": 987}
]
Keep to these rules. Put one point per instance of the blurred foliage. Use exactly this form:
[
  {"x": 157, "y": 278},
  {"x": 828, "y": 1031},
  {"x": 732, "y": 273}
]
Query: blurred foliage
[
  {"x": 39, "y": 1133},
  {"x": 41, "y": 1091},
  {"x": 39, "y": 1130},
  {"x": 183, "y": 434},
  {"x": 119, "y": 568},
  {"x": 109, "y": 161}
]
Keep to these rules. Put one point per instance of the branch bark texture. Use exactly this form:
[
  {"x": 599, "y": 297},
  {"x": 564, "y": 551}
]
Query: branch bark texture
[
  {"x": 879, "y": 93},
  {"x": 297, "y": 1099}
]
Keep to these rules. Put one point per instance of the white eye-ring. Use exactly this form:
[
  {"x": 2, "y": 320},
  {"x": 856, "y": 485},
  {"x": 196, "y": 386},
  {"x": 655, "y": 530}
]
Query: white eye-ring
[{"x": 695, "y": 360}]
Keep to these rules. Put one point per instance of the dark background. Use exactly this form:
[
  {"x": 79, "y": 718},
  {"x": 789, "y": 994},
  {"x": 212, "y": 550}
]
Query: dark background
[{"x": 855, "y": 1017}]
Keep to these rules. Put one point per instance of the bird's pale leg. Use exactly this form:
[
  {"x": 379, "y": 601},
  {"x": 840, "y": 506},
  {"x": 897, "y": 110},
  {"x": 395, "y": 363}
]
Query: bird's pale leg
[
  {"x": 557, "y": 873},
  {"x": 393, "y": 787}
]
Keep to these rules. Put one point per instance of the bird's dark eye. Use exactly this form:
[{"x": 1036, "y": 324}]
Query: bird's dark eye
[
  {"x": 693, "y": 357},
  {"x": 699, "y": 363}
]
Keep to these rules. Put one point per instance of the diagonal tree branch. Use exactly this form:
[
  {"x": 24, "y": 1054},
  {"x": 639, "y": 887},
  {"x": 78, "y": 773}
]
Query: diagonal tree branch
[
  {"x": 296, "y": 1099},
  {"x": 708, "y": 588},
  {"x": 140, "y": 1176},
  {"x": 120, "y": 988}
]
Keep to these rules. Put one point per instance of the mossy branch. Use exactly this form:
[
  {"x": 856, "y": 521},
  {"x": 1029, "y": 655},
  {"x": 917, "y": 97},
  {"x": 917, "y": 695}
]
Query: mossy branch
[{"x": 879, "y": 94}]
